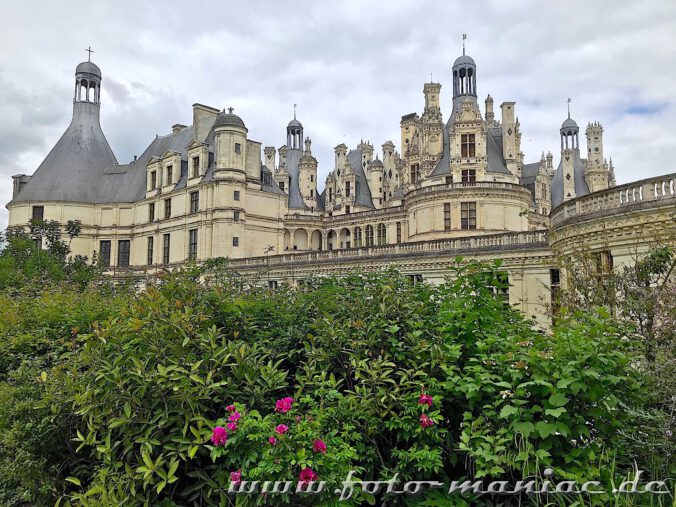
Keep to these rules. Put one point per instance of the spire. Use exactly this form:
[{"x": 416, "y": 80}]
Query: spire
[
  {"x": 294, "y": 111},
  {"x": 464, "y": 38},
  {"x": 569, "y": 99}
]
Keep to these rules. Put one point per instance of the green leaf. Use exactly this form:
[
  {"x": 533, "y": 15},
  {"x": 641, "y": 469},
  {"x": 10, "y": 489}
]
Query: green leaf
[
  {"x": 127, "y": 410},
  {"x": 525, "y": 428},
  {"x": 508, "y": 410},
  {"x": 556, "y": 412},
  {"x": 558, "y": 400},
  {"x": 74, "y": 480},
  {"x": 545, "y": 429},
  {"x": 160, "y": 486}
]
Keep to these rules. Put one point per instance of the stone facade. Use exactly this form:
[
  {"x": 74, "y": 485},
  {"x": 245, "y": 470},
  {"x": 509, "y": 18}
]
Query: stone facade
[{"x": 456, "y": 188}]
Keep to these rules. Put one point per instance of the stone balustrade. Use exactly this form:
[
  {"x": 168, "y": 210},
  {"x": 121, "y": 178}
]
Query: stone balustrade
[
  {"x": 657, "y": 190},
  {"x": 508, "y": 240}
]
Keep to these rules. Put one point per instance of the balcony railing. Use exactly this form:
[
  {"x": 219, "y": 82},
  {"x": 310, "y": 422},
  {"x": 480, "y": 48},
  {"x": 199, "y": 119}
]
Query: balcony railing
[
  {"x": 657, "y": 190},
  {"x": 442, "y": 246}
]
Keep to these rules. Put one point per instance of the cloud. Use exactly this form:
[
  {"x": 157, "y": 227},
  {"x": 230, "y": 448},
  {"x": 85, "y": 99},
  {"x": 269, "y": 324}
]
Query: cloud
[{"x": 353, "y": 67}]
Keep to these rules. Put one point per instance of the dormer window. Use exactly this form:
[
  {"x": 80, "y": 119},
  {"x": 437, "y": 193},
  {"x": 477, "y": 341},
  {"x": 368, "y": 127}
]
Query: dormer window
[
  {"x": 195, "y": 167},
  {"x": 347, "y": 189},
  {"x": 415, "y": 173},
  {"x": 170, "y": 174},
  {"x": 467, "y": 145},
  {"x": 153, "y": 180}
]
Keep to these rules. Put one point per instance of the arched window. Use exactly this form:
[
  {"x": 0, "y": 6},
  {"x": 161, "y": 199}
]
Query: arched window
[
  {"x": 382, "y": 234},
  {"x": 369, "y": 235},
  {"x": 357, "y": 237}
]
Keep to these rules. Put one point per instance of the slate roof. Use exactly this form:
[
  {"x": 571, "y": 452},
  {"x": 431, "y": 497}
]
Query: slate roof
[
  {"x": 82, "y": 168},
  {"x": 74, "y": 168},
  {"x": 293, "y": 156},
  {"x": 581, "y": 187},
  {"x": 362, "y": 191}
]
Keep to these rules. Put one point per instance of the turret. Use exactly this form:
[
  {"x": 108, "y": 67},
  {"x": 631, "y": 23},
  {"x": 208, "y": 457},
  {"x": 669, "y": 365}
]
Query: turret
[
  {"x": 596, "y": 170},
  {"x": 490, "y": 115},
  {"x": 510, "y": 131},
  {"x": 307, "y": 176},
  {"x": 230, "y": 141}
]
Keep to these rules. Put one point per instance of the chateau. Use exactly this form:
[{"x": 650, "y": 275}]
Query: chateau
[{"x": 461, "y": 187}]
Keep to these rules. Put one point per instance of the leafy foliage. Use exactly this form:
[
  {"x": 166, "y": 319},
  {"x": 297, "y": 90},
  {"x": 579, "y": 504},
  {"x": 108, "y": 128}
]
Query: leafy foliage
[{"x": 111, "y": 397}]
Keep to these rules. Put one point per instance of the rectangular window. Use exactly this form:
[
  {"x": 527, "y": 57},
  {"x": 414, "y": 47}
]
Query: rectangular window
[
  {"x": 192, "y": 244},
  {"x": 330, "y": 194},
  {"x": 235, "y": 216},
  {"x": 194, "y": 202},
  {"x": 312, "y": 193},
  {"x": 469, "y": 175},
  {"x": 347, "y": 189},
  {"x": 555, "y": 287},
  {"x": 415, "y": 279},
  {"x": 238, "y": 148},
  {"x": 170, "y": 174},
  {"x": 167, "y": 208},
  {"x": 104, "y": 253},
  {"x": 467, "y": 145},
  {"x": 151, "y": 242},
  {"x": 38, "y": 213},
  {"x": 415, "y": 173},
  {"x": 166, "y": 244},
  {"x": 195, "y": 167},
  {"x": 604, "y": 263},
  {"x": 151, "y": 212},
  {"x": 468, "y": 215},
  {"x": 272, "y": 284},
  {"x": 447, "y": 217},
  {"x": 347, "y": 210},
  {"x": 398, "y": 232},
  {"x": 281, "y": 186},
  {"x": 153, "y": 180},
  {"x": 235, "y": 241},
  {"x": 312, "y": 177},
  {"x": 236, "y": 195},
  {"x": 123, "y": 247}
]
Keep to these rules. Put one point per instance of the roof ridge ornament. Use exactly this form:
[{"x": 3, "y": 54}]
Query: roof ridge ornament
[
  {"x": 90, "y": 51},
  {"x": 464, "y": 38},
  {"x": 569, "y": 99}
]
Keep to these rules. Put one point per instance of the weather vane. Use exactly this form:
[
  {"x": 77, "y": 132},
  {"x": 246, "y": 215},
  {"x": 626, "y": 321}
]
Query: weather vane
[{"x": 90, "y": 51}]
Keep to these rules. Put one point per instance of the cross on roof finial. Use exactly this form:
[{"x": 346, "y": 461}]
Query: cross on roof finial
[
  {"x": 90, "y": 51},
  {"x": 569, "y": 99},
  {"x": 230, "y": 110},
  {"x": 294, "y": 111},
  {"x": 464, "y": 38}
]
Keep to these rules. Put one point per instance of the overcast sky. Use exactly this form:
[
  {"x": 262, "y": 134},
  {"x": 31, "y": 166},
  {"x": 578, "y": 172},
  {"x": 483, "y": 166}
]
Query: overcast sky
[{"x": 354, "y": 68}]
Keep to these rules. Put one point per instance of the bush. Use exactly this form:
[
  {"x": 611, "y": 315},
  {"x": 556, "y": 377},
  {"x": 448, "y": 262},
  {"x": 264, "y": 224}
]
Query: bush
[{"x": 359, "y": 356}]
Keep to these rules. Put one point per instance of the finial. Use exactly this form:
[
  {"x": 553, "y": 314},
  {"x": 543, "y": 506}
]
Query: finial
[
  {"x": 464, "y": 38},
  {"x": 569, "y": 99},
  {"x": 90, "y": 51},
  {"x": 230, "y": 110},
  {"x": 294, "y": 111},
  {"x": 431, "y": 80}
]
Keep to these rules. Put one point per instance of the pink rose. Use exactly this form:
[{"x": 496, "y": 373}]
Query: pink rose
[
  {"x": 425, "y": 421},
  {"x": 284, "y": 405},
  {"x": 236, "y": 477},
  {"x": 219, "y": 436},
  {"x": 307, "y": 475},
  {"x": 231, "y": 408},
  {"x": 232, "y": 426},
  {"x": 281, "y": 429},
  {"x": 234, "y": 417},
  {"x": 272, "y": 440},
  {"x": 319, "y": 446},
  {"x": 425, "y": 399}
]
